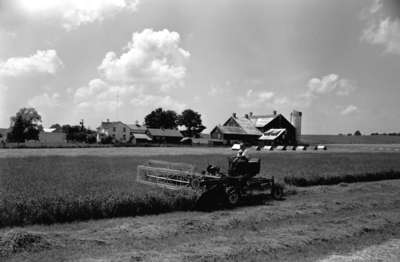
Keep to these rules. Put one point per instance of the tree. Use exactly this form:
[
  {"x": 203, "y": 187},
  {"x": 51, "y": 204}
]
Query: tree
[
  {"x": 160, "y": 118},
  {"x": 192, "y": 121},
  {"x": 57, "y": 127},
  {"x": 79, "y": 133},
  {"x": 25, "y": 125},
  {"x": 357, "y": 133}
]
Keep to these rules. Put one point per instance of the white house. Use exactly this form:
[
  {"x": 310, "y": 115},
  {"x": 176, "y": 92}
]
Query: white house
[{"x": 116, "y": 129}]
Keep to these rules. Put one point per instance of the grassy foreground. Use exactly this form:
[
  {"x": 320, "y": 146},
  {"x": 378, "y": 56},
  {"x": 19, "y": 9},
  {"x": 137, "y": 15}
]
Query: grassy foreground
[{"x": 59, "y": 189}]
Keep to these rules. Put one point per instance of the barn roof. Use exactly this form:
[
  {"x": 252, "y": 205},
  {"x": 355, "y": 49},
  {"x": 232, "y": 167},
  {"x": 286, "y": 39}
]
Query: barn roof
[
  {"x": 262, "y": 120},
  {"x": 109, "y": 124},
  {"x": 142, "y": 136},
  {"x": 164, "y": 132},
  {"x": 247, "y": 125},
  {"x": 235, "y": 130},
  {"x": 137, "y": 128}
]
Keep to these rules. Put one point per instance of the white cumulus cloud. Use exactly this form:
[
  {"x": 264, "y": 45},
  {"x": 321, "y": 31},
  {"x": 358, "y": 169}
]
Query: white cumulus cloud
[
  {"x": 349, "y": 109},
  {"x": 153, "y": 58},
  {"x": 45, "y": 100},
  {"x": 73, "y": 13},
  {"x": 3, "y": 115},
  {"x": 100, "y": 94},
  {"x": 385, "y": 32},
  {"x": 136, "y": 81},
  {"x": 44, "y": 62},
  {"x": 152, "y": 101},
  {"x": 381, "y": 30},
  {"x": 254, "y": 99},
  {"x": 328, "y": 84}
]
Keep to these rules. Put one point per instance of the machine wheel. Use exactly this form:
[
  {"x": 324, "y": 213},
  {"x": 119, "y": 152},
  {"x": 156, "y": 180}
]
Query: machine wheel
[
  {"x": 232, "y": 196},
  {"x": 277, "y": 192},
  {"x": 195, "y": 183}
]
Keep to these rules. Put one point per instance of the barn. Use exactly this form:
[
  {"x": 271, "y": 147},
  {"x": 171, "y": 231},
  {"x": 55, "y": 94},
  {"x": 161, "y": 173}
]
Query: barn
[
  {"x": 160, "y": 135},
  {"x": 236, "y": 129},
  {"x": 269, "y": 129},
  {"x": 276, "y": 129}
]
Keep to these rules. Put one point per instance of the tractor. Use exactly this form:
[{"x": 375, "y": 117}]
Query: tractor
[{"x": 242, "y": 180}]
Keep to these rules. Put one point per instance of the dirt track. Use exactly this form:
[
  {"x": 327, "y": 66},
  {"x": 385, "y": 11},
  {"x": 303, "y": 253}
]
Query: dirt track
[{"x": 319, "y": 223}]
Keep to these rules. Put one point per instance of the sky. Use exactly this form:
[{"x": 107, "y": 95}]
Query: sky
[{"x": 338, "y": 62}]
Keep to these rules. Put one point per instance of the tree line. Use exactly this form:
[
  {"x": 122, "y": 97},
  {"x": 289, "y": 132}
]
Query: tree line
[
  {"x": 27, "y": 124},
  {"x": 169, "y": 119}
]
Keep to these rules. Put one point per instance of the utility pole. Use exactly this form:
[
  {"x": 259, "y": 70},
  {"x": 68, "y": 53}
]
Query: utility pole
[{"x": 82, "y": 123}]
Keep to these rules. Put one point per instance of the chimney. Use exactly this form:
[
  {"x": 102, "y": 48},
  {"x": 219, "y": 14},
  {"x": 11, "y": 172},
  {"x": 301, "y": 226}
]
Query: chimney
[
  {"x": 234, "y": 115},
  {"x": 274, "y": 112},
  {"x": 246, "y": 116},
  {"x": 250, "y": 114},
  {"x": 108, "y": 120}
]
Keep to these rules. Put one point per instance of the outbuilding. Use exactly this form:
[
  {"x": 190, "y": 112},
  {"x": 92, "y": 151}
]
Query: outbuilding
[{"x": 160, "y": 135}]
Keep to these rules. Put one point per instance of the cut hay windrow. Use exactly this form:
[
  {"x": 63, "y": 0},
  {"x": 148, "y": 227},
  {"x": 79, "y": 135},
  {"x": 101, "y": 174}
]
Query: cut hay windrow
[{"x": 334, "y": 180}]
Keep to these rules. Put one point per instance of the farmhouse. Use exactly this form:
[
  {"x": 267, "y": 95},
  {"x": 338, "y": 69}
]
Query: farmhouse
[
  {"x": 272, "y": 129},
  {"x": 117, "y": 130},
  {"x": 160, "y": 135}
]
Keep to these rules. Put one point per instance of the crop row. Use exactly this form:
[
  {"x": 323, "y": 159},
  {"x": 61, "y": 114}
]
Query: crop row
[
  {"x": 48, "y": 210},
  {"x": 334, "y": 180}
]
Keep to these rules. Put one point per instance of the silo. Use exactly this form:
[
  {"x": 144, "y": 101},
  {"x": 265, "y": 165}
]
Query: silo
[{"x": 295, "y": 120}]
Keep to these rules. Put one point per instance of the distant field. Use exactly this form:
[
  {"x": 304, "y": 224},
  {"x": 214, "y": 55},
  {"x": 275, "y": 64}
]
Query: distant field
[
  {"x": 174, "y": 151},
  {"x": 335, "y": 139},
  {"x": 47, "y": 189}
]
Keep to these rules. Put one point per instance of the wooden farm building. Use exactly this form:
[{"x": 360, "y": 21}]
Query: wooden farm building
[
  {"x": 138, "y": 134},
  {"x": 273, "y": 129},
  {"x": 160, "y": 135}
]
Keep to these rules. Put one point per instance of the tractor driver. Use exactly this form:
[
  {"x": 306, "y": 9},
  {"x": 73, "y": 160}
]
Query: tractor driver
[{"x": 243, "y": 152}]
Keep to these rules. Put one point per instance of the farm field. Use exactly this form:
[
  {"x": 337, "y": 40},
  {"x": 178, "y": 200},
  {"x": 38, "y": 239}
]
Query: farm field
[
  {"x": 48, "y": 189},
  {"x": 55, "y": 186},
  {"x": 336, "y": 139},
  {"x": 157, "y": 151}
]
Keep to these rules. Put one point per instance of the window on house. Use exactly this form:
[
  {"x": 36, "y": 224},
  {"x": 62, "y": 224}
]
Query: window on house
[
  {"x": 124, "y": 136},
  {"x": 114, "y": 129},
  {"x": 124, "y": 129}
]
